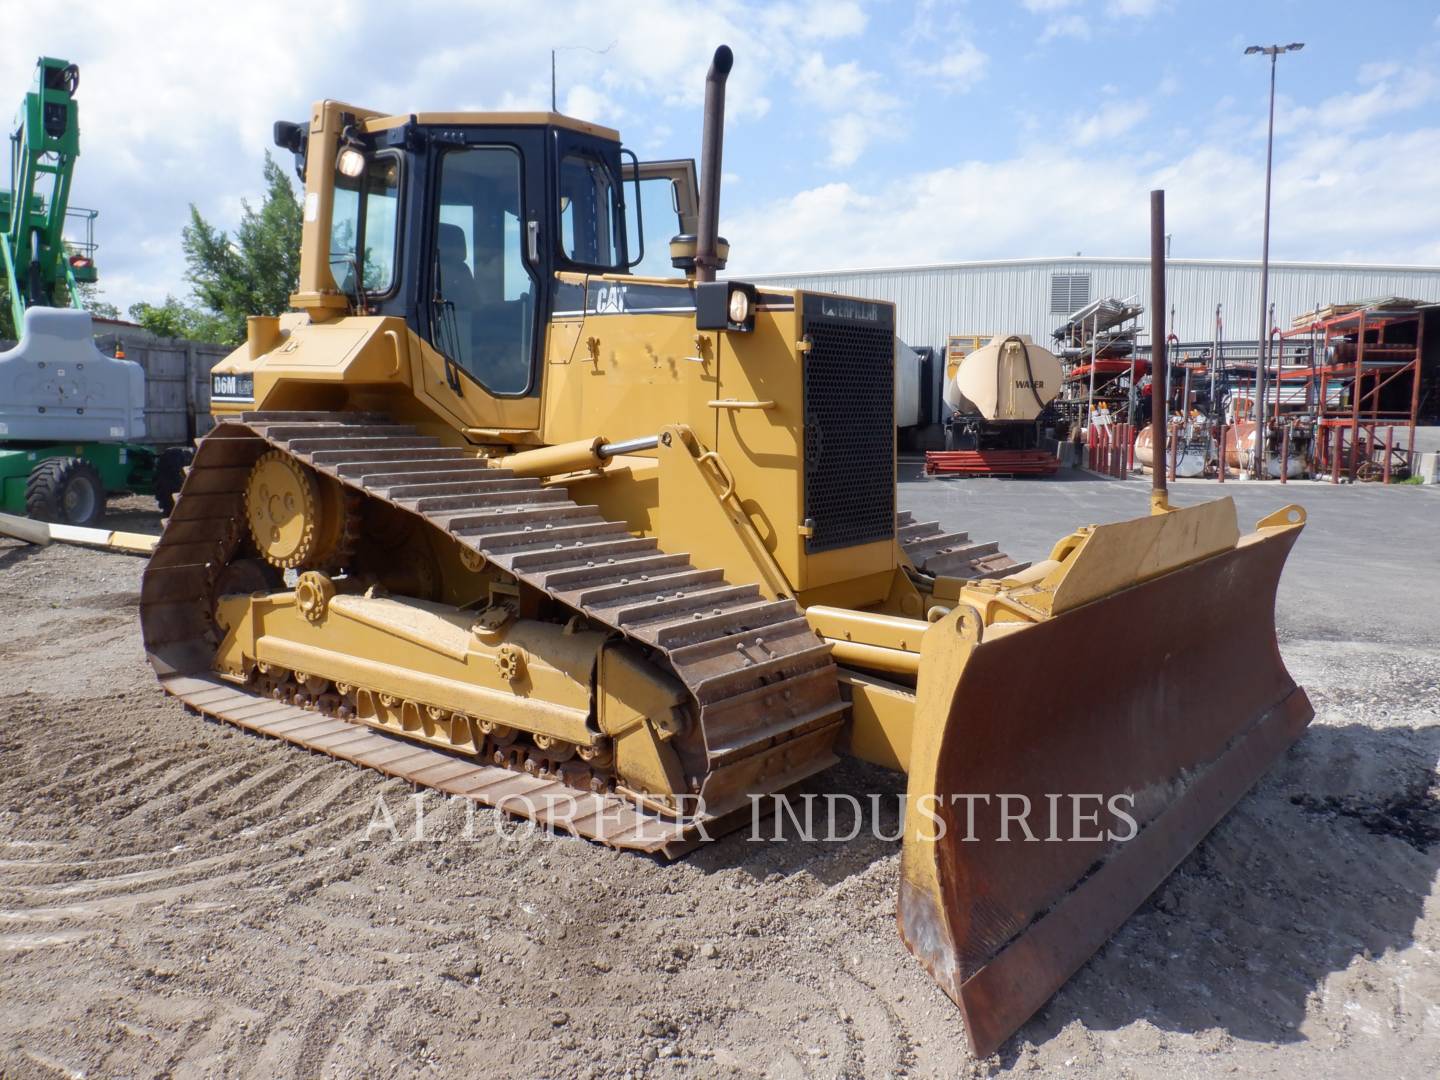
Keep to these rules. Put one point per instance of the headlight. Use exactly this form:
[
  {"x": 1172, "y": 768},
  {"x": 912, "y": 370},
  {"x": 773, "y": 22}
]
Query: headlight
[
  {"x": 351, "y": 162},
  {"x": 739, "y": 306}
]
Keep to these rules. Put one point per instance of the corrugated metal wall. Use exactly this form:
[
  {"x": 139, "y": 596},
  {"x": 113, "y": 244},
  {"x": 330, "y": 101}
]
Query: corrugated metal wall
[{"x": 1014, "y": 296}]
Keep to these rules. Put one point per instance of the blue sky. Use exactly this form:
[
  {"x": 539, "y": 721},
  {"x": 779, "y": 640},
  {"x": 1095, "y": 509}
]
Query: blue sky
[{"x": 859, "y": 134}]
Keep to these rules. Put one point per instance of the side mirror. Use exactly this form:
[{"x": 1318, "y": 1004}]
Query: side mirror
[{"x": 295, "y": 138}]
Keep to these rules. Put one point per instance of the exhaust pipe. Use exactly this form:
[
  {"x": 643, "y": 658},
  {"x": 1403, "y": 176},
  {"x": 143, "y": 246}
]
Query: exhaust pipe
[{"x": 706, "y": 257}]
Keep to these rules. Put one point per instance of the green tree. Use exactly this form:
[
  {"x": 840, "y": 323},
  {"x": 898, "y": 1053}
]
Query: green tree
[
  {"x": 90, "y": 299},
  {"x": 178, "y": 320},
  {"x": 252, "y": 273}
]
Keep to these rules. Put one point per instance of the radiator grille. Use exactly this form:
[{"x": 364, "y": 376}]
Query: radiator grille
[{"x": 849, "y": 422}]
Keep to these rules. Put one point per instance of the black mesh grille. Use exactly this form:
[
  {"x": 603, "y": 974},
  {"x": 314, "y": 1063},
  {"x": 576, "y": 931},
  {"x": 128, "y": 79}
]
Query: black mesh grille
[{"x": 849, "y": 421}]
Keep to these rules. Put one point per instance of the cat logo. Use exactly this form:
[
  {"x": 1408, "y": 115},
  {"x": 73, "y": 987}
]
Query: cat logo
[{"x": 610, "y": 300}]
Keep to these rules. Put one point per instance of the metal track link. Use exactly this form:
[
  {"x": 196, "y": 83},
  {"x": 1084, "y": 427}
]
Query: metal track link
[
  {"x": 951, "y": 554},
  {"x": 764, "y": 687}
]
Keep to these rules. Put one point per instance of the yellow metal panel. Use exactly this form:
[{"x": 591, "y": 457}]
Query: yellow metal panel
[
  {"x": 764, "y": 447},
  {"x": 422, "y": 652},
  {"x": 627, "y": 490},
  {"x": 473, "y": 407},
  {"x": 640, "y": 711},
  {"x": 627, "y": 375},
  {"x": 857, "y": 591},
  {"x": 882, "y": 720},
  {"x": 699, "y": 515},
  {"x": 317, "y": 291}
]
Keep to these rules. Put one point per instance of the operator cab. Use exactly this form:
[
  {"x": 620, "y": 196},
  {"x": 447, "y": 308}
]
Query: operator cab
[{"x": 459, "y": 223}]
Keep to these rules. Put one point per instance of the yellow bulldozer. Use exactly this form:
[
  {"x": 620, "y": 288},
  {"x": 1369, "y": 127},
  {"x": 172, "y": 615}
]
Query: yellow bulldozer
[{"x": 494, "y": 513}]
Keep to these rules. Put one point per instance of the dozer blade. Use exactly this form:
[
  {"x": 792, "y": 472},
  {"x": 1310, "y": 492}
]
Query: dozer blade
[{"x": 1164, "y": 701}]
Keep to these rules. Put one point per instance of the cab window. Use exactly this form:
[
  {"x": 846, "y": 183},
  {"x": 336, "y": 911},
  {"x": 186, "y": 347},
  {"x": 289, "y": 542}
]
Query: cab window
[
  {"x": 661, "y": 218},
  {"x": 484, "y": 296},
  {"x": 365, "y": 220},
  {"x": 590, "y": 214}
]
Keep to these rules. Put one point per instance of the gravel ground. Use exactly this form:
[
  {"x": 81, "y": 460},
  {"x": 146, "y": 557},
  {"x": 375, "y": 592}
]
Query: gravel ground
[{"x": 180, "y": 898}]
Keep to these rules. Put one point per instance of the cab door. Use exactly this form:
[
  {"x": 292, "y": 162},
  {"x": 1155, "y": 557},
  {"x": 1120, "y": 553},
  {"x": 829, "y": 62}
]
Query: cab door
[{"x": 485, "y": 288}]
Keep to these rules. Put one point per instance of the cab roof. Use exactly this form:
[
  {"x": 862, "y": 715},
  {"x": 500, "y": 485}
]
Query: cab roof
[{"x": 492, "y": 119}]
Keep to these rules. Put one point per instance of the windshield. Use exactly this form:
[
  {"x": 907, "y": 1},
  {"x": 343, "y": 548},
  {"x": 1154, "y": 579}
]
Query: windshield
[{"x": 365, "y": 218}]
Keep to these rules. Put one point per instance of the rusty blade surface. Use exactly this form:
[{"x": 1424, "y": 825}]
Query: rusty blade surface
[{"x": 1170, "y": 695}]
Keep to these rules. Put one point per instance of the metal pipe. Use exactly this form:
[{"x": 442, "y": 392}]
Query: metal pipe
[
  {"x": 1214, "y": 363},
  {"x": 628, "y": 446},
  {"x": 1094, "y": 353},
  {"x": 1263, "y": 341},
  {"x": 1339, "y": 454},
  {"x": 1279, "y": 359},
  {"x": 1415, "y": 391},
  {"x": 874, "y": 657},
  {"x": 1159, "y": 365},
  {"x": 1284, "y": 453},
  {"x": 1389, "y": 449},
  {"x": 711, "y": 145},
  {"x": 556, "y": 459},
  {"x": 1222, "y": 450},
  {"x": 1356, "y": 390}
]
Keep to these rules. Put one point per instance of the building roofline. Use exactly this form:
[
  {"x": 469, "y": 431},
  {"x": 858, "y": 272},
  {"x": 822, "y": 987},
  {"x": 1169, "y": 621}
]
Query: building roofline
[{"x": 980, "y": 264}]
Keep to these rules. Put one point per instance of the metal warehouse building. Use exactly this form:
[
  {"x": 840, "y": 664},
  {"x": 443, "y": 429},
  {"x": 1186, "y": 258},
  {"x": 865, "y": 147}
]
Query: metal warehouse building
[{"x": 1033, "y": 296}]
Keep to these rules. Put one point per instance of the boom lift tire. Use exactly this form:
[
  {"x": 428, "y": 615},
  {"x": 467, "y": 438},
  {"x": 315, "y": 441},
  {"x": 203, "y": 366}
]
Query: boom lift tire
[{"x": 65, "y": 490}]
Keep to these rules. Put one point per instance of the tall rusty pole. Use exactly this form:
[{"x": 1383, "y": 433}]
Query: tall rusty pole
[
  {"x": 1159, "y": 362},
  {"x": 1262, "y": 343}
]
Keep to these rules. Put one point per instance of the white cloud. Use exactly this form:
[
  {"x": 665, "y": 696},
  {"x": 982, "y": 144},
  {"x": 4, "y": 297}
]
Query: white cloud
[
  {"x": 1391, "y": 90},
  {"x": 1071, "y": 26},
  {"x": 1046, "y": 5},
  {"x": 175, "y": 127},
  {"x": 862, "y": 109},
  {"x": 961, "y": 68},
  {"x": 1108, "y": 122},
  {"x": 1330, "y": 203},
  {"x": 1139, "y": 9},
  {"x": 165, "y": 124}
]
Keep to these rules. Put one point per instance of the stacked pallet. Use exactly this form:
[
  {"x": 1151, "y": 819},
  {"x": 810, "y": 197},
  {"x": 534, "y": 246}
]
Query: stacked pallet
[{"x": 991, "y": 463}]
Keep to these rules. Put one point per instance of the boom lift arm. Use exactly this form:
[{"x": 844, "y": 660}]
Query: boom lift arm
[{"x": 44, "y": 144}]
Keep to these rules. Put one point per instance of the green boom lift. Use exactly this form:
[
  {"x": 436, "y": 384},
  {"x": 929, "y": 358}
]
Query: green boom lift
[{"x": 72, "y": 420}]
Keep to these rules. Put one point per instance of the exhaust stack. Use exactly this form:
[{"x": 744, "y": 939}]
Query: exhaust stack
[{"x": 707, "y": 259}]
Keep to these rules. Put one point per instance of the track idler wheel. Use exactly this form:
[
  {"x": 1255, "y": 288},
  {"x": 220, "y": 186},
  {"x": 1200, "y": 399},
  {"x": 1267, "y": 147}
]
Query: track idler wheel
[{"x": 296, "y": 518}]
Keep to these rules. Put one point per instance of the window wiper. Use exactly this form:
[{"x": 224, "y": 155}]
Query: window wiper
[{"x": 447, "y": 334}]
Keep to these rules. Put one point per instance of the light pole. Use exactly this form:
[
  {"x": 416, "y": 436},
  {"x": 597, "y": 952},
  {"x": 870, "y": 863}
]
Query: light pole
[{"x": 1262, "y": 343}]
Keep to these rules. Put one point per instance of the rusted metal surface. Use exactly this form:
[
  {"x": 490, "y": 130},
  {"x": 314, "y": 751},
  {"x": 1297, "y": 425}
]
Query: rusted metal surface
[
  {"x": 951, "y": 554},
  {"x": 766, "y": 714},
  {"x": 1012, "y": 921}
]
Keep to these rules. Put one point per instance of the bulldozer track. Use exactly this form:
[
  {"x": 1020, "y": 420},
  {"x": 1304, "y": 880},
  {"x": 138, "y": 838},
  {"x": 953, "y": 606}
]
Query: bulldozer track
[
  {"x": 764, "y": 687},
  {"x": 951, "y": 554}
]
